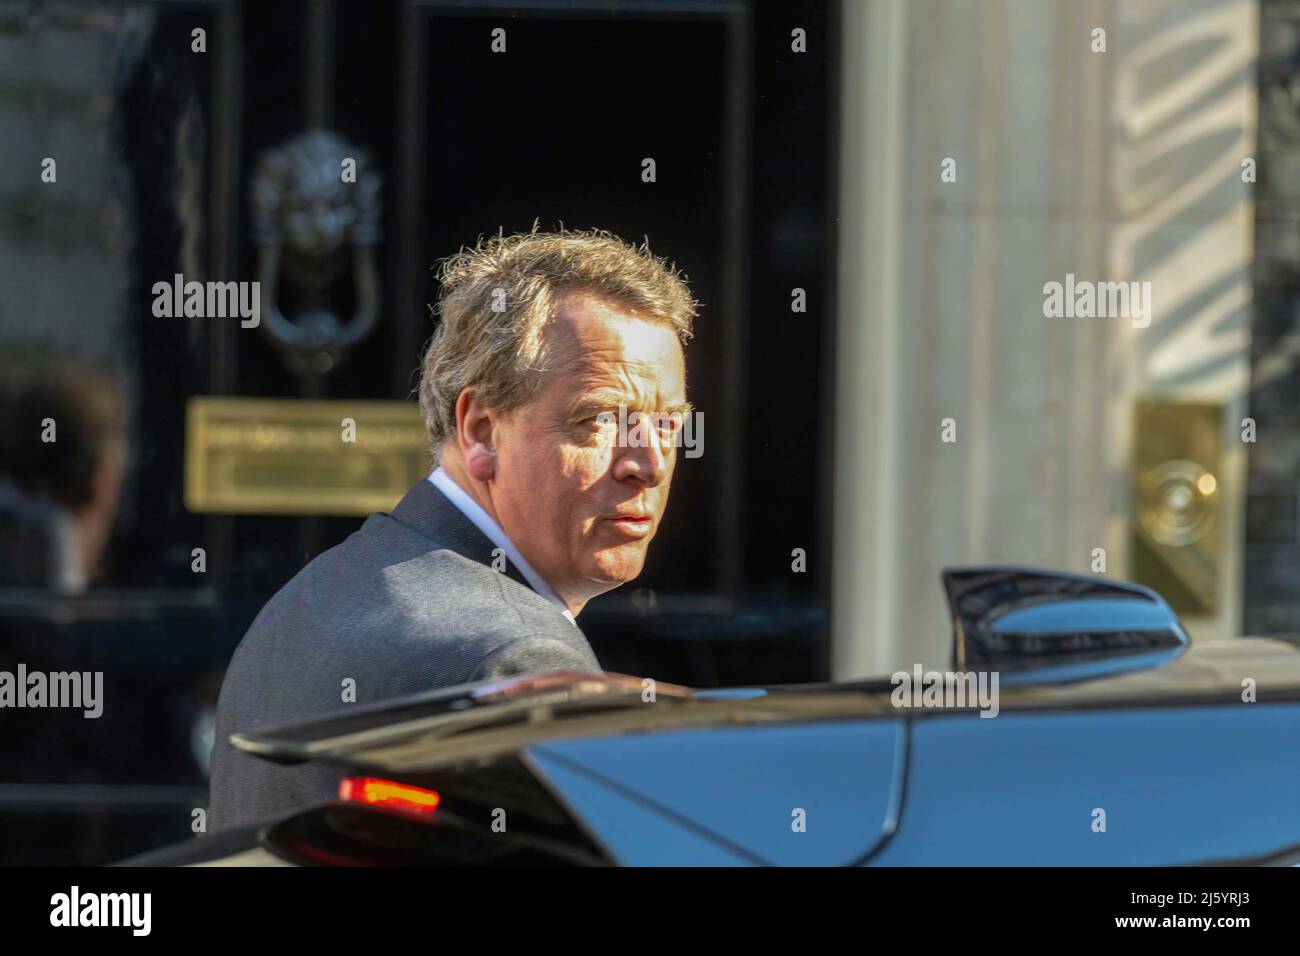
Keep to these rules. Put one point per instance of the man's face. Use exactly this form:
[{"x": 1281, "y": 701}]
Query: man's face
[{"x": 580, "y": 504}]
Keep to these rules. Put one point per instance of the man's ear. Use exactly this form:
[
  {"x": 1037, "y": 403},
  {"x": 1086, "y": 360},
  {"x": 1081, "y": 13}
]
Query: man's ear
[{"x": 474, "y": 427}]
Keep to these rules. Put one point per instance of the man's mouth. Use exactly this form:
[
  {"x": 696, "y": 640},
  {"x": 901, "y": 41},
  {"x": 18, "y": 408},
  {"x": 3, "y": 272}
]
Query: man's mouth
[{"x": 635, "y": 525}]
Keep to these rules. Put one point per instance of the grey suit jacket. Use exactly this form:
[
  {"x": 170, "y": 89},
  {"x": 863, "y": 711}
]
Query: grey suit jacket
[{"x": 408, "y": 603}]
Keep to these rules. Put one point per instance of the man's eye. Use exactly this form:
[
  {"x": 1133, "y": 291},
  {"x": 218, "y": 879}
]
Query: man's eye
[{"x": 594, "y": 424}]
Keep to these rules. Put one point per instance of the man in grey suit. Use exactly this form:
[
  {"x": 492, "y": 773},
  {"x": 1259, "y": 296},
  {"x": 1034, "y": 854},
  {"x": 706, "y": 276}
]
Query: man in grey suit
[{"x": 550, "y": 346}]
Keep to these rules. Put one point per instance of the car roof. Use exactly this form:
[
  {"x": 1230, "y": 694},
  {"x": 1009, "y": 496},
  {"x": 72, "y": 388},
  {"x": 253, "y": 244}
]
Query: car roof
[{"x": 430, "y": 732}]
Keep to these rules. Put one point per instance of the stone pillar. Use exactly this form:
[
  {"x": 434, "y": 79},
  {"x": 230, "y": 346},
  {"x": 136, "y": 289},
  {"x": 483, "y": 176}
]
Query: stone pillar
[{"x": 1114, "y": 164}]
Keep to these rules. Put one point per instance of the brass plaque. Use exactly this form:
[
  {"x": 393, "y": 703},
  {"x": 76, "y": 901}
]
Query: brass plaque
[
  {"x": 301, "y": 457},
  {"x": 1177, "y": 502}
]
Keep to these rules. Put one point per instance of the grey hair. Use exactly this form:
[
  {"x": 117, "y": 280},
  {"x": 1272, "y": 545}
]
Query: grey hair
[{"x": 497, "y": 298}]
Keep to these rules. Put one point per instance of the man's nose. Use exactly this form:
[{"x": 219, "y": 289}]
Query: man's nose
[{"x": 645, "y": 457}]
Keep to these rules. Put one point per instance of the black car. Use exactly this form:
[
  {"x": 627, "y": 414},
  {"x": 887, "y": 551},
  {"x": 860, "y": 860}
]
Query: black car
[{"x": 1077, "y": 726}]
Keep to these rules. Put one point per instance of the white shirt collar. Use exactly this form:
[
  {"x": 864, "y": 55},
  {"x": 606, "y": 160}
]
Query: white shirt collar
[{"x": 472, "y": 510}]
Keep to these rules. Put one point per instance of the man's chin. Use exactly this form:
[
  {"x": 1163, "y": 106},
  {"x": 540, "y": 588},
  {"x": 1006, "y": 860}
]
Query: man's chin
[{"x": 610, "y": 574}]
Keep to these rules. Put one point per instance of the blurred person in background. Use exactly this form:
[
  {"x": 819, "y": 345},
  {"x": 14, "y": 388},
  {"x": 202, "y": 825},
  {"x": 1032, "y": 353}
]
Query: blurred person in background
[{"x": 62, "y": 452}]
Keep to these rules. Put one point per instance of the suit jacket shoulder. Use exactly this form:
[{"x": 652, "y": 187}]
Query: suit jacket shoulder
[{"x": 407, "y": 603}]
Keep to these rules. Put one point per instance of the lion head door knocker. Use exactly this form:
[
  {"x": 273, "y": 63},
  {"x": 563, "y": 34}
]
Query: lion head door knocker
[{"x": 316, "y": 205}]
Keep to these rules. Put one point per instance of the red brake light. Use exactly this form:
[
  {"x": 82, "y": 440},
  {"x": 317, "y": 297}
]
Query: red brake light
[{"x": 390, "y": 794}]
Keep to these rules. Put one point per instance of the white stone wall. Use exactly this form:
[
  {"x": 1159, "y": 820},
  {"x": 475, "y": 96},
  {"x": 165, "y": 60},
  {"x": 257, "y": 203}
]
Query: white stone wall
[{"x": 1115, "y": 165}]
